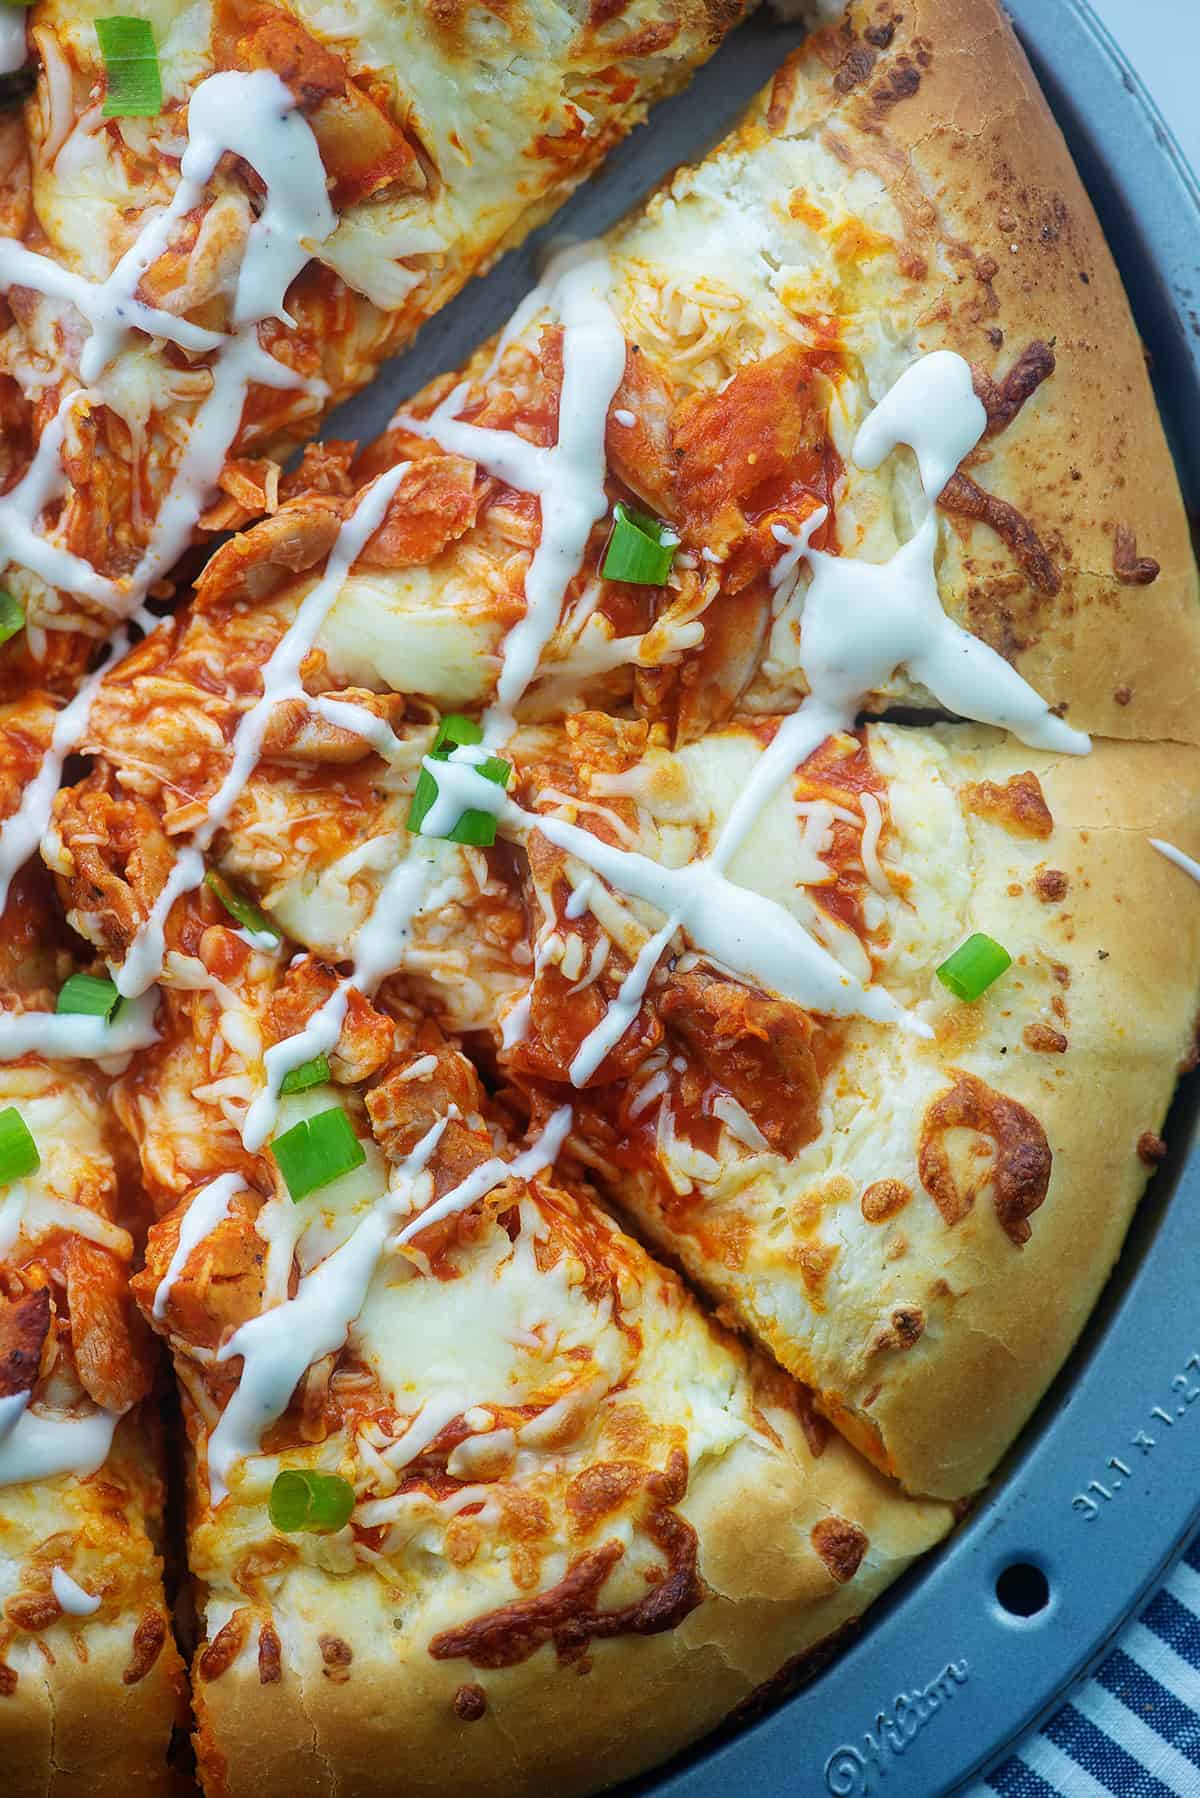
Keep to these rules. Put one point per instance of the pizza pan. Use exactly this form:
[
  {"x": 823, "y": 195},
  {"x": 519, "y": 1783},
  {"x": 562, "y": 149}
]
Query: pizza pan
[{"x": 1104, "y": 1484}]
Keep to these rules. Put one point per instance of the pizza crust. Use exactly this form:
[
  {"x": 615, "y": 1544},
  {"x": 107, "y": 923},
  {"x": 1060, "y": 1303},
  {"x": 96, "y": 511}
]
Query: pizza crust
[{"x": 566, "y": 1728}]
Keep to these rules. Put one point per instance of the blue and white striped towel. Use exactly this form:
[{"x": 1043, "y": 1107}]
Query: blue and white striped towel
[{"x": 1133, "y": 1729}]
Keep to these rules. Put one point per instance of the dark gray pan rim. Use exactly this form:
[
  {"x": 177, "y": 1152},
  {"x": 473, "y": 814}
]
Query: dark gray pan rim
[{"x": 942, "y": 1678}]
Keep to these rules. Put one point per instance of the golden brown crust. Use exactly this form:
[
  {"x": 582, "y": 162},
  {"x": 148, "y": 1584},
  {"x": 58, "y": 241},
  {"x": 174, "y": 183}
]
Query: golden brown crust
[
  {"x": 566, "y": 1727},
  {"x": 1006, "y": 254}
]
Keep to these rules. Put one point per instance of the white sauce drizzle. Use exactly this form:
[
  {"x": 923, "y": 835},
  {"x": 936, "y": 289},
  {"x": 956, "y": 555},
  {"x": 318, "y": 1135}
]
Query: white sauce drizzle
[
  {"x": 568, "y": 478},
  {"x": 280, "y": 681},
  {"x": 1177, "y": 856},
  {"x": 71, "y": 1596},
  {"x": 35, "y": 1447},
  {"x": 254, "y": 115},
  {"x": 861, "y": 622},
  {"x": 277, "y": 1347},
  {"x": 201, "y": 1218},
  {"x": 14, "y": 53},
  {"x": 72, "y": 1036}
]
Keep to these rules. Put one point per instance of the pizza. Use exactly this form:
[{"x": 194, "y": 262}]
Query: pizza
[{"x": 597, "y": 982}]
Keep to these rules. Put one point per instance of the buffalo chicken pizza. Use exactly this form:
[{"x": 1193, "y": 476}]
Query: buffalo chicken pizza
[{"x": 586, "y": 1015}]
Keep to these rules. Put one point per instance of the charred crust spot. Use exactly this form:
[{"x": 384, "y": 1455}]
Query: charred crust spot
[
  {"x": 270, "y": 1657},
  {"x": 1002, "y": 400},
  {"x": 1051, "y": 885},
  {"x": 904, "y": 1330},
  {"x": 880, "y": 36},
  {"x": 900, "y": 83},
  {"x": 1019, "y": 806},
  {"x": 1122, "y": 695},
  {"x": 1131, "y": 569},
  {"x": 965, "y": 497},
  {"x": 841, "y": 1545},
  {"x": 8, "y": 1680},
  {"x": 883, "y": 1199},
  {"x": 1020, "y": 1172},
  {"x": 1151, "y": 1148},
  {"x": 855, "y": 68},
  {"x": 1044, "y": 1039},
  {"x": 24, "y": 1325},
  {"x": 470, "y": 1703},
  {"x": 226, "y": 1645},
  {"x": 148, "y": 1639},
  {"x": 337, "y": 1656},
  {"x": 567, "y": 1613}
]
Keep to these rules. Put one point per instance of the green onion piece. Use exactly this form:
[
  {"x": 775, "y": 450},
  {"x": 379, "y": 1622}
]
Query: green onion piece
[
  {"x": 131, "y": 64},
  {"x": 89, "y": 996},
  {"x": 18, "y": 1151},
  {"x": 244, "y": 910},
  {"x": 640, "y": 549},
  {"x": 455, "y": 732},
  {"x": 12, "y": 615},
  {"x": 317, "y": 1151},
  {"x": 974, "y": 966},
  {"x": 301, "y": 1500},
  {"x": 475, "y": 828},
  {"x": 309, "y": 1073}
]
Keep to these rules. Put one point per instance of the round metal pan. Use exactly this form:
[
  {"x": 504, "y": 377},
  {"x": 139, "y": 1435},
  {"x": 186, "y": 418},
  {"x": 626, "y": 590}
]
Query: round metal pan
[{"x": 1104, "y": 1484}]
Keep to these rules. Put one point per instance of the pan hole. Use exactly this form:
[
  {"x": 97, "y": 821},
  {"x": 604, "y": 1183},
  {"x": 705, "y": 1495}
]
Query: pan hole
[{"x": 1022, "y": 1589}]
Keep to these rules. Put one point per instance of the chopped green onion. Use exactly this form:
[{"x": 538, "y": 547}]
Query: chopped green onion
[
  {"x": 475, "y": 828},
  {"x": 131, "y": 64},
  {"x": 300, "y": 1500},
  {"x": 641, "y": 549},
  {"x": 317, "y": 1151},
  {"x": 309, "y": 1073},
  {"x": 455, "y": 732},
  {"x": 12, "y": 615},
  {"x": 244, "y": 910},
  {"x": 89, "y": 996},
  {"x": 974, "y": 966},
  {"x": 18, "y": 1151}
]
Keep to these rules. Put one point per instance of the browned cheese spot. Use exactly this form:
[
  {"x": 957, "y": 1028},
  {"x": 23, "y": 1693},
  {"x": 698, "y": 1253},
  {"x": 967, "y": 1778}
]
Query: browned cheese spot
[
  {"x": 1019, "y": 1174},
  {"x": 883, "y": 1199},
  {"x": 270, "y": 1657},
  {"x": 567, "y": 1613},
  {"x": 148, "y": 1639},
  {"x": 470, "y": 1703},
  {"x": 1131, "y": 569},
  {"x": 1051, "y": 885},
  {"x": 841, "y": 1545},
  {"x": 1019, "y": 806},
  {"x": 1044, "y": 1039},
  {"x": 337, "y": 1656}
]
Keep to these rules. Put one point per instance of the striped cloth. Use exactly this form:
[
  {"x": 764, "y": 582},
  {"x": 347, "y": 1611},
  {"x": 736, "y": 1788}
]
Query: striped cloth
[{"x": 1131, "y": 1730}]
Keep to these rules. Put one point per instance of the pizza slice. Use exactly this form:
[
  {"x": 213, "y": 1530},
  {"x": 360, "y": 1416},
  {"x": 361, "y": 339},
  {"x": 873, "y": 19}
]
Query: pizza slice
[
  {"x": 214, "y": 227},
  {"x": 91, "y": 1686},
  {"x": 897, "y": 215},
  {"x": 473, "y": 1480}
]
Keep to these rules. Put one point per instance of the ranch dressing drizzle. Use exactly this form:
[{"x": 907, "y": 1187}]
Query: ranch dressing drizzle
[
  {"x": 254, "y": 116},
  {"x": 1177, "y": 856},
  {"x": 281, "y": 681},
  {"x": 34, "y": 1447},
  {"x": 861, "y": 621},
  {"x": 281, "y": 1344},
  {"x": 202, "y": 1216},
  {"x": 71, "y": 1596},
  {"x": 568, "y": 478},
  {"x": 73, "y": 1036},
  {"x": 14, "y": 51},
  {"x": 569, "y": 481}
]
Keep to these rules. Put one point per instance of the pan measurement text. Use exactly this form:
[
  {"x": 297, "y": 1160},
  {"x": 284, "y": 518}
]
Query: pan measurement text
[{"x": 1185, "y": 1390}]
